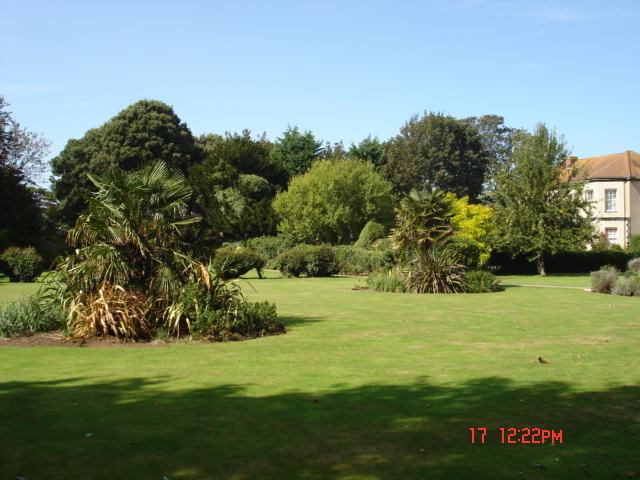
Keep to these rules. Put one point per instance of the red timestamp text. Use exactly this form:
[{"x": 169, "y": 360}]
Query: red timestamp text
[{"x": 519, "y": 435}]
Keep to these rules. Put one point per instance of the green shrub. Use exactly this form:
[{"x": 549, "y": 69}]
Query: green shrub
[
  {"x": 218, "y": 310},
  {"x": 627, "y": 285},
  {"x": 480, "y": 281},
  {"x": 634, "y": 244},
  {"x": 234, "y": 263},
  {"x": 371, "y": 232},
  {"x": 467, "y": 250},
  {"x": 30, "y": 315},
  {"x": 21, "y": 264},
  {"x": 318, "y": 261},
  {"x": 353, "y": 260},
  {"x": 270, "y": 248},
  {"x": 604, "y": 279},
  {"x": 391, "y": 280},
  {"x": 292, "y": 262},
  {"x": 634, "y": 266},
  {"x": 321, "y": 261}
]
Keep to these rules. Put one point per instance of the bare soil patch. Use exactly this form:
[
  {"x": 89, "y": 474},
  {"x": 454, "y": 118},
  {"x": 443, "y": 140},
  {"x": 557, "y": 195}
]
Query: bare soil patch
[{"x": 58, "y": 339}]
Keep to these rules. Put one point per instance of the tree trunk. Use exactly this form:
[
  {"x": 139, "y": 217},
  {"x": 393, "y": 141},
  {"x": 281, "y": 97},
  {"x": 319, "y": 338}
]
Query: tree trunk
[{"x": 540, "y": 266}]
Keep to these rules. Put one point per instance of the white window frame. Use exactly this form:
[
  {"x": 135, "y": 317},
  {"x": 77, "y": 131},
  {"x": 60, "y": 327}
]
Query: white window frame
[
  {"x": 611, "y": 200},
  {"x": 611, "y": 233},
  {"x": 588, "y": 195}
]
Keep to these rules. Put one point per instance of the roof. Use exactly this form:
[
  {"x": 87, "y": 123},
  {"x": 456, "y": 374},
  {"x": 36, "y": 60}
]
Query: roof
[{"x": 618, "y": 165}]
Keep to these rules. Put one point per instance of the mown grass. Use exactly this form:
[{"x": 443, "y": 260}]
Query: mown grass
[
  {"x": 555, "y": 280},
  {"x": 365, "y": 385},
  {"x": 11, "y": 290}
]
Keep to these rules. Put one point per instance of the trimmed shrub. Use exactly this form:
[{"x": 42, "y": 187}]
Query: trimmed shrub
[
  {"x": 30, "y": 315},
  {"x": 564, "y": 262},
  {"x": 292, "y": 262},
  {"x": 392, "y": 280},
  {"x": 480, "y": 281},
  {"x": 634, "y": 266},
  {"x": 234, "y": 263},
  {"x": 21, "y": 264},
  {"x": 604, "y": 279},
  {"x": 318, "y": 261},
  {"x": 356, "y": 261},
  {"x": 269, "y": 248},
  {"x": 321, "y": 261},
  {"x": 627, "y": 286},
  {"x": 371, "y": 232}
]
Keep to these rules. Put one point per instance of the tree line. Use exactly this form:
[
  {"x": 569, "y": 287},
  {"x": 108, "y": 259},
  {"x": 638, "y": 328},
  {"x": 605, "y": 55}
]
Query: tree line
[{"x": 298, "y": 186}]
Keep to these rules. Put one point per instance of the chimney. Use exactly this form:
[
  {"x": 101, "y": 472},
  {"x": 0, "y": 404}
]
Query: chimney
[{"x": 570, "y": 161}]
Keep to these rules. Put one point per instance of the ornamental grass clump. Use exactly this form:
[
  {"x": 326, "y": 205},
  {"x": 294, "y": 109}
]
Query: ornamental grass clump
[{"x": 28, "y": 316}]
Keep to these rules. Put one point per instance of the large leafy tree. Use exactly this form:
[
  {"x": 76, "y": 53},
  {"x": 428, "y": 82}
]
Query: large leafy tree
[
  {"x": 538, "y": 204},
  {"x": 295, "y": 151},
  {"x": 437, "y": 151},
  {"x": 235, "y": 185},
  {"x": 22, "y": 220},
  {"x": 497, "y": 140},
  {"x": 145, "y": 131},
  {"x": 333, "y": 201}
]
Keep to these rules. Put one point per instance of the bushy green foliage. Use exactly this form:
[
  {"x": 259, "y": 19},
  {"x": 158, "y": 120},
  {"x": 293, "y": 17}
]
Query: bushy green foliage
[
  {"x": 30, "y": 315},
  {"x": 371, "y": 232},
  {"x": 627, "y": 285},
  {"x": 216, "y": 309},
  {"x": 333, "y": 201},
  {"x": 230, "y": 263},
  {"x": 634, "y": 266},
  {"x": 321, "y": 261},
  {"x": 604, "y": 279},
  {"x": 480, "y": 281},
  {"x": 21, "y": 264},
  {"x": 317, "y": 261},
  {"x": 356, "y": 261},
  {"x": 634, "y": 244},
  {"x": 270, "y": 247},
  {"x": 391, "y": 280}
]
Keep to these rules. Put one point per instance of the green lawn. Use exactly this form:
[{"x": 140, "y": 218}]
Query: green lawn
[
  {"x": 557, "y": 280},
  {"x": 365, "y": 385},
  {"x": 10, "y": 291}
]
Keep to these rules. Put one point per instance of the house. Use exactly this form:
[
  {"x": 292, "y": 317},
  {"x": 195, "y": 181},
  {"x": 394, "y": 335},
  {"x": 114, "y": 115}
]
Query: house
[{"x": 614, "y": 189}]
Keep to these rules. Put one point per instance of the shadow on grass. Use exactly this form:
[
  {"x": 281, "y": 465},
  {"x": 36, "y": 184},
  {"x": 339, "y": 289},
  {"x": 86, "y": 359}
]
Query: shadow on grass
[
  {"x": 100, "y": 429},
  {"x": 294, "y": 321}
]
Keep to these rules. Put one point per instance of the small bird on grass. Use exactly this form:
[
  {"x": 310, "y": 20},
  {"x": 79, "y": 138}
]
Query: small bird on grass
[{"x": 541, "y": 360}]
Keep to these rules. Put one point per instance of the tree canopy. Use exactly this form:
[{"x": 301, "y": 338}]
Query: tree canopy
[
  {"x": 235, "y": 185},
  {"x": 145, "y": 131},
  {"x": 538, "y": 204},
  {"x": 22, "y": 164},
  {"x": 333, "y": 201},
  {"x": 295, "y": 151},
  {"x": 437, "y": 151}
]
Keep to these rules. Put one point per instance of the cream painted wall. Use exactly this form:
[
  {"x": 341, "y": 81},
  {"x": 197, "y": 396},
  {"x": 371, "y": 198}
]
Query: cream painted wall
[{"x": 628, "y": 194}]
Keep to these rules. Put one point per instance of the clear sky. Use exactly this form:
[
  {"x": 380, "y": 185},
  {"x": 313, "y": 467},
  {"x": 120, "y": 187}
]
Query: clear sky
[{"x": 344, "y": 69}]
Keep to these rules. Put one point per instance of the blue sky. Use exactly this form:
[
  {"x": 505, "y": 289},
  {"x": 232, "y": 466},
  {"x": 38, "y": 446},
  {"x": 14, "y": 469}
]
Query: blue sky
[{"x": 342, "y": 69}]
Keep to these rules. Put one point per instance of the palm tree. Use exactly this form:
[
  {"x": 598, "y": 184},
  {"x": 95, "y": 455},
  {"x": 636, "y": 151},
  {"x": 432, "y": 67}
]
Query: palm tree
[
  {"x": 425, "y": 227},
  {"x": 129, "y": 247}
]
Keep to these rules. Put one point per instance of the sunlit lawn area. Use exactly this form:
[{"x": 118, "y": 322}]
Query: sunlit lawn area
[
  {"x": 10, "y": 291},
  {"x": 556, "y": 280},
  {"x": 364, "y": 385}
]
